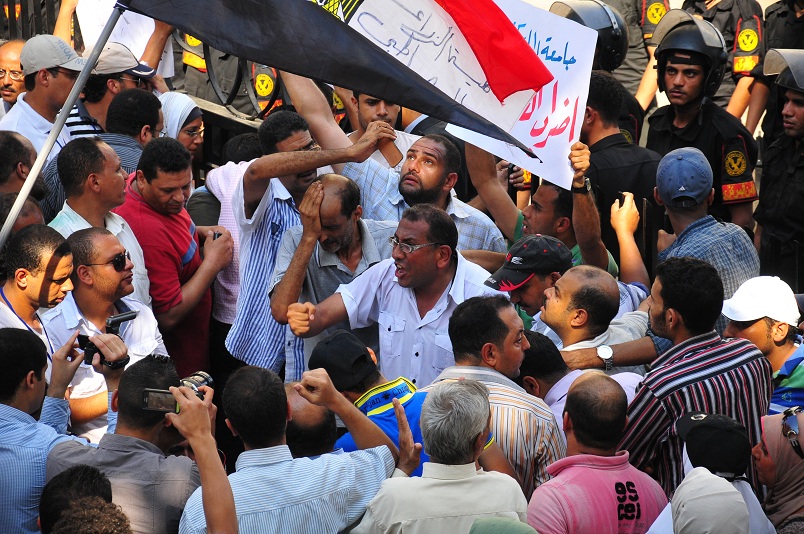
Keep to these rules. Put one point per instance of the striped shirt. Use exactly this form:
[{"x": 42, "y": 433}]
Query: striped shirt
[
  {"x": 256, "y": 338},
  {"x": 706, "y": 373},
  {"x": 276, "y": 493},
  {"x": 788, "y": 383},
  {"x": 522, "y": 424},
  {"x": 382, "y": 201},
  {"x": 80, "y": 123}
]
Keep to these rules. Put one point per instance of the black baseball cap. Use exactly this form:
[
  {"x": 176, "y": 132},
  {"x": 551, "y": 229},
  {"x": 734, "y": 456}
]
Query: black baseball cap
[
  {"x": 533, "y": 254},
  {"x": 345, "y": 359},
  {"x": 716, "y": 442}
]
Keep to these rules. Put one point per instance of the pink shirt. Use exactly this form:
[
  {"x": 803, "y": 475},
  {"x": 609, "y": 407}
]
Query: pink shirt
[{"x": 601, "y": 494}]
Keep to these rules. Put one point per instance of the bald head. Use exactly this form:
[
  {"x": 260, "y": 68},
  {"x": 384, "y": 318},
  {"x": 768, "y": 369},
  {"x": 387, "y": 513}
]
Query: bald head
[
  {"x": 596, "y": 406},
  {"x": 10, "y": 89},
  {"x": 597, "y": 293},
  {"x": 311, "y": 430},
  {"x": 340, "y": 210}
]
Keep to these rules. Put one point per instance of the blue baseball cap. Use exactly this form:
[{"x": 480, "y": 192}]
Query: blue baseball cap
[{"x": 684, "y": 178}]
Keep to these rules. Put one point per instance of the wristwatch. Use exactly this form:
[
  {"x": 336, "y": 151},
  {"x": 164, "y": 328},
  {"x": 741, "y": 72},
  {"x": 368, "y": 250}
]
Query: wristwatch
[
  {"x": 584, "y": 189},
  {"x": 605, "y": 353}
]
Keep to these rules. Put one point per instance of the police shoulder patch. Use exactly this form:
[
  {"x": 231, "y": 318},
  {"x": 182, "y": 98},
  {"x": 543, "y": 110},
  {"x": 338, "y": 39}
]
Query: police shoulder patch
[{"x": 735, "y": 163}]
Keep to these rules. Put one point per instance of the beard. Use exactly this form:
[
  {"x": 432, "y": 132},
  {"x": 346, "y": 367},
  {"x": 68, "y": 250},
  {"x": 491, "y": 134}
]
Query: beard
[{"x": 422, "y": 195}]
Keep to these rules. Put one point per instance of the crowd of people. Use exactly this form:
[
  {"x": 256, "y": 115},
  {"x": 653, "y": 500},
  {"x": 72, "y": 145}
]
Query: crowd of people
[{"x": 378, "y": 327}]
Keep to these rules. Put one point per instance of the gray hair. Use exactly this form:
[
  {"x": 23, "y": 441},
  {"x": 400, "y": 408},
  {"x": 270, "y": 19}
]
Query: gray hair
[{"x": 454, "y": 413}]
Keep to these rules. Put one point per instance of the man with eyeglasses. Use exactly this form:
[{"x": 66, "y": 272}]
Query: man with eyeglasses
[
  {"x": 410, "y": 296},
  {"x": 92, "y": 176},
  {"x": 12, "y": 80},
  {"x": 50, "y": 67},
  {"x": 102, "y": 288},
  {"x": 765, "y": 312}
]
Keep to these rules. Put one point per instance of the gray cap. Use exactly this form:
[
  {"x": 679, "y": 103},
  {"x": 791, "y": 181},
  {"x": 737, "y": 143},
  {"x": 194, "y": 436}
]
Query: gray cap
[
  {"x": 47, "y": 52},
  {"x": 684, "y": 178},
  {"x": 116, "y": 58}
]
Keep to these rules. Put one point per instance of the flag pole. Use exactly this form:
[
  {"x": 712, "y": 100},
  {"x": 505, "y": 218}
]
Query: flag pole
[{"x": 61, "y": 118}]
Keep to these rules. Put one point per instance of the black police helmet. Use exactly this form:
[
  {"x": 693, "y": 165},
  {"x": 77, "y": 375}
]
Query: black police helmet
[
  {"x": 680, "y": 31},
  {"x": 612, "y": 33},
  {"x": 789, "y": 65}
]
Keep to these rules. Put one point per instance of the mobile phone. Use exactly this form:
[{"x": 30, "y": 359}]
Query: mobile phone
[
  {"x": 159, "y": 400},
  {"x": 621, "y": 198}
]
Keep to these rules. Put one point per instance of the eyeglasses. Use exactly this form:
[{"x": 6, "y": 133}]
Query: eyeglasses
[
  {"x": 118, "y": 262},
  {"x": 16, "y": 75},
  {"x": 194, "y": 133},
  {"x": 139, "y": 81},
  {"x": 407, "y": 248},
  {"x": 790, "y": 430}
]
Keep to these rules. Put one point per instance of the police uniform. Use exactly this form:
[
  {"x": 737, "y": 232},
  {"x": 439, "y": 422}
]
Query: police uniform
[
  {"x": 632, "y": 116},
  {"x": 740, "y": 22},
  {"x": 780, "y": 207},
  {"x": 641, "y": 18},
  {"x": 616, "y": 165},
  {"x": 728, "y": 146},
  {"x": 782, "y": 30}
]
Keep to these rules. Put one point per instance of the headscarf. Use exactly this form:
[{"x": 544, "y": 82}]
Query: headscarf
[
  {"x": 177, "y": 108},
  {"x": 786, "y": 496}
]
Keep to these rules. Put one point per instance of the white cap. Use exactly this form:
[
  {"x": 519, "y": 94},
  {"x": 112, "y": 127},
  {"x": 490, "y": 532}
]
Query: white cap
[
  {"x": 763, "y": 296},
  {"x": 704, "y": 502},
  {"x": 47, "y": 52},
  {"x": 116, "y": 58}
]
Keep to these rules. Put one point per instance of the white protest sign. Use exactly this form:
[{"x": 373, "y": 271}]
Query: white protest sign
[
  {"x": 420, "y": 34},
  {"x": 551, "y": 120}
]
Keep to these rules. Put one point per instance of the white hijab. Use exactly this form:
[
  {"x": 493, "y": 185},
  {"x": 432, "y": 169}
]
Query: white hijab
[{"x": 176, "y": 107}]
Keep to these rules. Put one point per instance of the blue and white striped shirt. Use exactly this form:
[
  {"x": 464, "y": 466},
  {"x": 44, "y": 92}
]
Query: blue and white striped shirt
[
  {"x": 382, "y": 201},
  {"x": 276, "y": 493},
  {"x": 256, "y": 338}
]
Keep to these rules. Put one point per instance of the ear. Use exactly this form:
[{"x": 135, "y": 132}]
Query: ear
[
  {"x": 531, "y": 385},
  {"x": 289, "y": 415},
  {"x": 711, "y": 197},
  {"x": 563, "y": 224},
  {"x": 452, "y": 179},
  {"x": 589, "y": 115},
  {"x": 354, "y": 101},
  {"x": 142, "y": 137},
  {"x": 140, "y": 178},
  {"x": 231, "y": 428},
  {"x": 579, "y": 318},
  {"x": 554, "y": 278},
  {"x": 31, "y": 380},
  {"x": 92, "y": 183},
  {"x": 657, "y": 198},
  {"x": 113, "y": 86},
  {"x": 444, "y": 257},
  {"x": 21, "y": 278},
  {"x": 21, "y": 170},
  {"x": 84, "y": 275},
  {"x": 488, "y": 353},
  {"x": 358, "y": 213},
  {"x": 779, "y": 332},
  {"x": 565, "y": 419},
  {"x": 673, "y": 318},
  {"x": 43, "y": 77},
  {"x": 115, "y": 400}
]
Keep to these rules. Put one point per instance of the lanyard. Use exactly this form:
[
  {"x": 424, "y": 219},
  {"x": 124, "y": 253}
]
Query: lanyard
[{"x": 10, "y": 307}]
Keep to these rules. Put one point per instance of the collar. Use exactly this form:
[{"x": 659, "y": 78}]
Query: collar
[
  {"x": 686, "y": 348},
  {"x": 687, "y": 133},
  {"x": 127, "y": 444},
  {"x": 369, "y": 248},
  {"x": 448, "y": 472},
  {"x": 456, "y": 291},
  {"x": 9, "y": 413},
  {"x": 695, "y": 226},
  {"x": 111, "y": 221},
  {"x": 481, "y": 374},
  {"x": 114, "y": 139},
  {"x": 263, "y": 457},
  {"x": 37, "y": 120},
  {"x": 608, "y": 142},
  {"x": 589, "y": 461},
  {"x": 84, "y": 113},
  {"x": 560, "y": 388},
  {"x": 795, "y": 359},
  {"x": 379, "y": 399},
  {"x": 279, "y": 191},
  {"x": 415, "y": 122}
]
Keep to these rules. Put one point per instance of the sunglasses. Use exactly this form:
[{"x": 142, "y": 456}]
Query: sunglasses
[
  {"x": 118, "y": 262},
  {"x": 790, "y": 429}
]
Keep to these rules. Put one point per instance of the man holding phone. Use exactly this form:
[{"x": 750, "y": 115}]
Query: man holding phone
[
  {"x": 150, "y": 487},
  {"x": 102, "y": 288}
]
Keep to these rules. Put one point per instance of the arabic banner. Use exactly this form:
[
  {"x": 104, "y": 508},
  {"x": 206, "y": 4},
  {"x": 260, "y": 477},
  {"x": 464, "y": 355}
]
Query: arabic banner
[{"x": 551, "y": 120}]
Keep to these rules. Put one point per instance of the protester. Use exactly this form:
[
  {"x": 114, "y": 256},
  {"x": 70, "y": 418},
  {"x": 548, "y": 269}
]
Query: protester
[{"x": 183, "y": 120}]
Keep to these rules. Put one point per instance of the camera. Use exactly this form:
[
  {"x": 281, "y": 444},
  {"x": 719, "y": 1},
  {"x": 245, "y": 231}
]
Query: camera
[
  {"x": 162, "y": 400},
  {"x": 112, "y": 327}
]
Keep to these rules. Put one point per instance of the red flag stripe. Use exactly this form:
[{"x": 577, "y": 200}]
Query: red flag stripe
[{"x": 509, "y": 63}]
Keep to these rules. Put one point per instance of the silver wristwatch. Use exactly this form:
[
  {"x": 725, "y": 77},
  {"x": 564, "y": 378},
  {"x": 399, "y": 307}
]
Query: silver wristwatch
[{"x": 605, "y": 353}]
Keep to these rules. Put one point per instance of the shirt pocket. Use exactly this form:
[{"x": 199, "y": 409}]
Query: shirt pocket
[
  {"x": 392, "y": 330},
  {"x": 443, "y": 356}
]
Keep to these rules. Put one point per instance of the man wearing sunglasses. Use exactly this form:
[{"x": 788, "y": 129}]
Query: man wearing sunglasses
[
  {"x": 12, "y": 80},
  {"x": 102, "y": 288},
  {"x": 764, "y": 311},
  {"x": 50, "y": 67}
]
